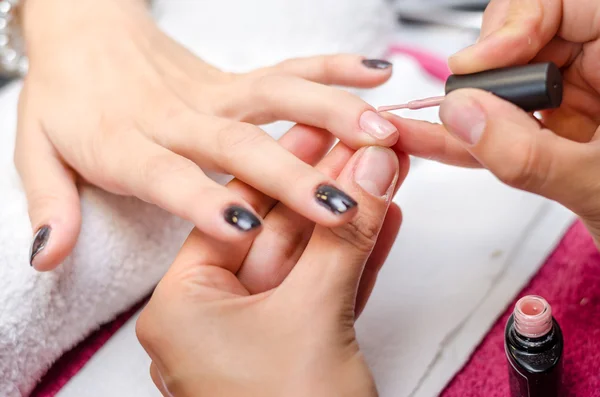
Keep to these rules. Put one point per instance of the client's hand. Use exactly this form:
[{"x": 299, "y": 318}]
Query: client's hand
[
  {"x": 111, "y": 100},
  {"x": 275, "y": 318}
]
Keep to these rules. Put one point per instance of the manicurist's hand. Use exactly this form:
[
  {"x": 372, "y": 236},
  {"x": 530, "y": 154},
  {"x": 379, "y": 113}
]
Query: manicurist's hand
[
  {"x": 276, "y": 317},
  {"x": 557, "y": 156},
  {"x": 112, "y": 101}
]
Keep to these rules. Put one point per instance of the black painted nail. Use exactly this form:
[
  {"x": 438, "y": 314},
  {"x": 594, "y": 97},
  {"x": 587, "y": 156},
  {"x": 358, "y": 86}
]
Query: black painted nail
[
  {"x": 39, "y": 242},
  {"x": 241, "y": 218},
  {"x": 334, "y": 199},
  {"x": 376, "y": 64}
]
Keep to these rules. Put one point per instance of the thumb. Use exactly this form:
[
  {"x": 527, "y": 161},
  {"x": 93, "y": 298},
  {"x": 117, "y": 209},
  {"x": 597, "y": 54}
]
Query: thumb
[
  {"x": 522, "y": 154},
  {"x": 53, "y": 199},
  {"x": 330, "y": 269},
  {"x": 527, "y": 27}
]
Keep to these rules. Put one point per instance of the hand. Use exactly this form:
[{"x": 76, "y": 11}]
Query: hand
[
  {"x": 557, "y": 156},
  {"x": 276, "y": 318},
  {"x": 112, "y": 101}
]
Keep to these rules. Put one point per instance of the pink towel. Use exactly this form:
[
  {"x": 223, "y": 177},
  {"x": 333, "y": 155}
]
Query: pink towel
[
  {"x": 570, "y": 281},
  {"x": 72, "y": 361}
]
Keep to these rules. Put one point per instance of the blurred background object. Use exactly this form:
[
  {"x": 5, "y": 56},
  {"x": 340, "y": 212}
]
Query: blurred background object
[{"x": 460, "y": 14}]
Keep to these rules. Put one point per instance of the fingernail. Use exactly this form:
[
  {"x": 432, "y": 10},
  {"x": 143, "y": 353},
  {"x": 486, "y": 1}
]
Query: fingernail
[
  {"x": 380, "y": 64},
  {"x": 334, "y": 199},
  {"x": 375, "y": 125},
  {"x": 39, "y": 242},
  {"x": 463, "y": 117},
  {"x": 241, "y": 218},
  {"x": 376, "y": 171}
]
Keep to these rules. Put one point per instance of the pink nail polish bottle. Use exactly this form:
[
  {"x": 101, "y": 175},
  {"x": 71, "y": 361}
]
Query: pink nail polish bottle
[{"x": 533, "y": 343}]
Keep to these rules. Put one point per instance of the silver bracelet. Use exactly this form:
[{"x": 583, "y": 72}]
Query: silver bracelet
[{"x": 13, "y": 62}]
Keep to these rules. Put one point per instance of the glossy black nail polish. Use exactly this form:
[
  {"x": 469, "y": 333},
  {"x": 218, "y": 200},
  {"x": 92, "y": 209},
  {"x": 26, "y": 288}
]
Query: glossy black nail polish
[
  {"x": 334, "y": 199},
  {"x": 241, "y": 218},
  {"x": 39, "y": 242},
  {"x": 376, "y": 64}
]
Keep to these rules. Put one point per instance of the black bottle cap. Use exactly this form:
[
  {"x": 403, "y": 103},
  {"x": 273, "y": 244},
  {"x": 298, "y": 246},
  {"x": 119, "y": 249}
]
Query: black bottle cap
[{"x": 531, "y": 87}]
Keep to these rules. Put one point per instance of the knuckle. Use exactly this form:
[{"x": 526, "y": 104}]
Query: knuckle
[
  {"x": 236, "y": 140},
  {"x": 39, "y": 198},
  {"x": 360, "y": 234},
  {"x": 173, "y": 112},
  {"x": 156, "y": 168},
  {"x": 263, "y": 85},
  {"x": 325, "y": 67},
  {"x": 526, "y": 170}
]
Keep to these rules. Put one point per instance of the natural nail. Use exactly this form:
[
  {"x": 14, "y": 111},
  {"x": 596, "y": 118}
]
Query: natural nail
[
  {"x": 376, "y": 171},
  {"x": 464, "y": 118},
  {"x": 39, "y": 242},
  {"x": 241, "y": 218},
  {"x": 334, "y": 199},
  {"x": 375, "y": 125},
  {"x": 380, "y": 64}
]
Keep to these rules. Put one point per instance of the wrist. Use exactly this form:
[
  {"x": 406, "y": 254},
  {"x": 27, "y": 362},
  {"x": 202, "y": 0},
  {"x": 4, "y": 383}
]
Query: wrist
[{"x": 44, "y": 22}]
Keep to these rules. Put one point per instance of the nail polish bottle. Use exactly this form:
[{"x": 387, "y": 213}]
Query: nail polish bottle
[{"x": 533, "y": 343}]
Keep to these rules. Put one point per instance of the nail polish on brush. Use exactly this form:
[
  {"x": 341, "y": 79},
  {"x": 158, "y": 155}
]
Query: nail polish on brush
[
  {"x": 533, "y": 343},
  {"x": 531, "y": 87}
]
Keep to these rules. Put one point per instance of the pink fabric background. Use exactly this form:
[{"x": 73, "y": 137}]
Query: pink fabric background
[
  {"x": 72, "y": 361},
  {"x": 569, "y": 280}
]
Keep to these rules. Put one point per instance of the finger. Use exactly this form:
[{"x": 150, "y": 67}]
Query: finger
[
  {"x": 430, "y": 141},
  {"x": 528, "y": 27},
  {"x": 518, "y": 150},
  {"x": 248, "y": 153},
  {"x": 283, "y": 97},
  {"x": 329, "y": 271},
  {"x": 383, "y": 246},
  {"x": 310, "y": 145},
  {"x": 559, "y": 51},
  {"x": 343, "y": 69},
  {"x": 52, "y": 196},
  {"x": 275, "y": 252},
  {"x": 176, "y": 184},
  {"x": 494, "y": 17}
]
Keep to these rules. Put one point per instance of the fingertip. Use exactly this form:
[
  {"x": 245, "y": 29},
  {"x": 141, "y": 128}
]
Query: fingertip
[
  {"x": 375, "y": 71},
  {"x": 380, "y": 130},
  {"x": 53, "y": 241},
  {"x": 340, "y": 206},
  {"x": 242, "y": 219},
  {"x": 235, "y": 223}
]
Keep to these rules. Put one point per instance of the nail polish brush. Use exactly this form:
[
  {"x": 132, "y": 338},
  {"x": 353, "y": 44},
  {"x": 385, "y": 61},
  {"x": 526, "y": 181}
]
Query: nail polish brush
[{"x": 531, "y": 87}]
